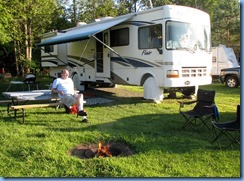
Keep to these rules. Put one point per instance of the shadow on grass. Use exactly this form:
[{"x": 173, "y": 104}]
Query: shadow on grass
[
  {"x": 147, "y": 132},
  {"x": 160, "y": 134}
]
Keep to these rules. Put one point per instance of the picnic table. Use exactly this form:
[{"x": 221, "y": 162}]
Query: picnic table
[{"x": 35, "y": 95}]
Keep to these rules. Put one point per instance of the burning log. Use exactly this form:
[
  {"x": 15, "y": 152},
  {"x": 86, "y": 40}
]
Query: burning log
[
  {"x": 103, "y": 151},
  {"x": 113, "y": 149}
]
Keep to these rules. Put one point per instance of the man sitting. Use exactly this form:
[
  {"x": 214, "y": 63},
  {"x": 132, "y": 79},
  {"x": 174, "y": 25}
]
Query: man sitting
[{"x": 64, "y": 87}]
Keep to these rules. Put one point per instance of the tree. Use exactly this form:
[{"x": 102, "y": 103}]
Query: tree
[
  {"x": 5, "y": 22},
  {"x": 61, "y": 17},
  {"x": 129, "y": 6},
  {"x": 226, "y": 24},
  {"x": 95, "y": 9},
  {"x": 28, "y": 21}
]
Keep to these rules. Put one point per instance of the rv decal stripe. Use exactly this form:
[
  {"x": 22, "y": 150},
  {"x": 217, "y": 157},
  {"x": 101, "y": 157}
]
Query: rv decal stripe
[
  {"x": 75, "y": 60},
  {"x": 137, "y": 23},
  {"x": 165, "y": 63},
  {"x": 135, "y": 63},
  {"x": 116, "y": 78},
  {"x": 80, "y": 63},
  {"x": 50, "y": 61},
  {"x": 47, "y": 56},
  {"x": 160, "y": 19},
  {"x": 79, "y": 58}
]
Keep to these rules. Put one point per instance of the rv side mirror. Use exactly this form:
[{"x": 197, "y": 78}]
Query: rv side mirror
[{"x": 160, "y": 50}]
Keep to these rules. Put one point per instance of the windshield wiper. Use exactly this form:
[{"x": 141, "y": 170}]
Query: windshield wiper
[
  {"x": 187, "y": 49},
  {"x": 205, "y": 49}
]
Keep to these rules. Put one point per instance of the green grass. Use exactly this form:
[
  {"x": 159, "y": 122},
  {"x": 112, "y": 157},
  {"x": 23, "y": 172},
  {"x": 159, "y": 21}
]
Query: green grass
[{"x": 40, "y": 147}]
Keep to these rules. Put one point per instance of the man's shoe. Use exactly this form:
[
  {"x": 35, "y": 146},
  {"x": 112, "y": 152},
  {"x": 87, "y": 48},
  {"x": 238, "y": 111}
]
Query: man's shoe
[
  {"x": 81, "y": 113},
  {"x": 84, "y": 121}
]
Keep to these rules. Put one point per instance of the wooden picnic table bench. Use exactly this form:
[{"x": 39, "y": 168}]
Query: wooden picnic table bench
[
  {"x": 27, "y": 96},
  {"x": 8, "y": 102},
  {"x": 28, "y": 106}
]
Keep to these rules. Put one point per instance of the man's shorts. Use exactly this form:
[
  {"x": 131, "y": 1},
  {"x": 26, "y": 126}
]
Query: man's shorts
[{"x": 68, "y": 100}]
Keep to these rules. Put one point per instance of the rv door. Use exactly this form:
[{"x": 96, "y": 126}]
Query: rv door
[{"x": 103, "y": 55}]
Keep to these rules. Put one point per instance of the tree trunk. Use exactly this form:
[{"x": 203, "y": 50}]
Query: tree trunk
[
  {"x": 228, "y": 32},
  {"x": 28, "y": 38},
  {"x": 15, "y": 58},
  {"x": 75, "y": 12}
]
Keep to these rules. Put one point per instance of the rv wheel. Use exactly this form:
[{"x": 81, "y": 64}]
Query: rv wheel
[{"x": 188, "y": 91}]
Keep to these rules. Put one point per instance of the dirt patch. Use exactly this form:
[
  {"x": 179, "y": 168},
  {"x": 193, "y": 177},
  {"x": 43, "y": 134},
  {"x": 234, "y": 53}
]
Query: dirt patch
[
  {"x": 85, "y": 151},
  {"x": 111, "y": 92},
  {"x": 120, "y": 92}
]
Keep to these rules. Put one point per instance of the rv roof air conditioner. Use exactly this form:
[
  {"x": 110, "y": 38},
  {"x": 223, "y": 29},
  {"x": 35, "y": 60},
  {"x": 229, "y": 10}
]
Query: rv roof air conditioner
[
  {"x": 81, "y": 24},
  {"x": 102, "y": 19}
]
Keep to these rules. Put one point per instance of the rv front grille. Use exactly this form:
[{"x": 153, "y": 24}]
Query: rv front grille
[{"x": 194, "y": 72}]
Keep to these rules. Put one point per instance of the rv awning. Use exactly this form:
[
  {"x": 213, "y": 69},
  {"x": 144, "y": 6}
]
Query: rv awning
[{"x": 85, "y": 31}]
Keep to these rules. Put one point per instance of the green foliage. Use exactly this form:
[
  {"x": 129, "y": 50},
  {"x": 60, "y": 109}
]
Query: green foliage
[
  {"x": 91, "y": 10},
  {"x": 23, "y": 23},
  {"x": 226, "y": 24},
  {"x": 129, "y": 6},
  {"x": 41, "y": 146},
  {"x": 5, "y": 23}
]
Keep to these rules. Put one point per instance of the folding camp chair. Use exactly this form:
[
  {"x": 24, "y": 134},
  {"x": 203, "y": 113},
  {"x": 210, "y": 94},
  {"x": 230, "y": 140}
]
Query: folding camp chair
[
  {"x": 230, "y": 129},
  {"x": 204, "y": 110}
]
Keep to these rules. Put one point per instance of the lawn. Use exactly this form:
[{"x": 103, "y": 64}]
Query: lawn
[{"x": 159, "y": 147}]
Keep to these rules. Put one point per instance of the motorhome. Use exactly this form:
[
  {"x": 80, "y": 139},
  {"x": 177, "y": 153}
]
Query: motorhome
[
  {"x": 222, "y": 57},
  {"x": 162, "y": 49}
]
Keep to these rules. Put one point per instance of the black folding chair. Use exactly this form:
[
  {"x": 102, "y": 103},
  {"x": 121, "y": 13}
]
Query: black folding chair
[
  {"x": 230, "y": 129},
  {"x": 203, "y": 111}
]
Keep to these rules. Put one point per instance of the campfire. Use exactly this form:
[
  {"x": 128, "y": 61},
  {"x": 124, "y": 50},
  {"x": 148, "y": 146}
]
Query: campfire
[
  {"x": 100, "y": 150},
  {"x": 103, "y": 151}
]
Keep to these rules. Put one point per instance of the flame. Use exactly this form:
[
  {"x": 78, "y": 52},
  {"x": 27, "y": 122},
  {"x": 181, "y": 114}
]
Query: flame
[{"x": 103, "y": 150}]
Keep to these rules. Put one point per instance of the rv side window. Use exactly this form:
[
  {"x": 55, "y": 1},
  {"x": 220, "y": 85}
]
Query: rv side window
[
  {"x": 150, "y": 37},
  {"x": 48, "y": 48},
  {"x": 119, "y": 37}
]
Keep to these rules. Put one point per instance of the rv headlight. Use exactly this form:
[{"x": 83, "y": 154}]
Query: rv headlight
[{"x": 172, "y": 74}]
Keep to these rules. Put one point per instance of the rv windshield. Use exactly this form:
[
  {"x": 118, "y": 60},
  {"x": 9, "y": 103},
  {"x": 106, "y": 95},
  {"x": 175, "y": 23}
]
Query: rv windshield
[{"x": 186, "y": 36}]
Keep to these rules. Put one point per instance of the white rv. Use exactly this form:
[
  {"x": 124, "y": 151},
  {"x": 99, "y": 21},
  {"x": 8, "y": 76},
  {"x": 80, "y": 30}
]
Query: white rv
[
  {"x": 222, "y": 57},
  {"x": 164, "y": 48}
]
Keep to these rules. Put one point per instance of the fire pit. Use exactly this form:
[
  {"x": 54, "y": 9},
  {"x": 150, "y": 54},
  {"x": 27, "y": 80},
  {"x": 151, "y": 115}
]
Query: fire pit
[{"x": 111, "y": 149}]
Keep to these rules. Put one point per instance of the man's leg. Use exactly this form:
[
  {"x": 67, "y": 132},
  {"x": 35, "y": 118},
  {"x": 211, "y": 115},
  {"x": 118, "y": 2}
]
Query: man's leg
[
  {"x": 81, "y": 111},
  {"x": 80, "y": 102}
]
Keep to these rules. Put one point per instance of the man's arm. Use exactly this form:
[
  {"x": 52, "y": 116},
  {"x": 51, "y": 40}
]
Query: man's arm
[
  {"x": 54, "y": 88},
  {"x": 55, "y": 91}
]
